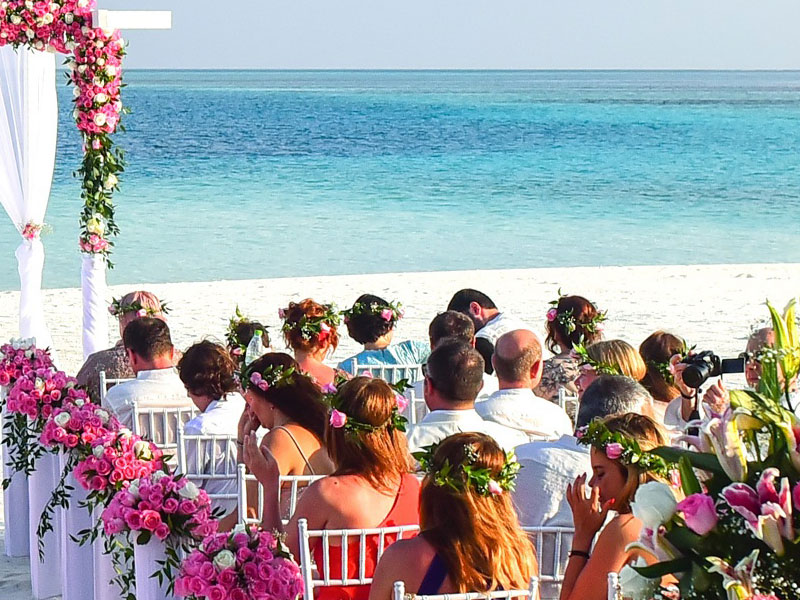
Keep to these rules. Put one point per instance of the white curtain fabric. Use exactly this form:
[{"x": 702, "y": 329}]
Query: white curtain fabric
[
  {"x": 95, "y": 307},
  {"x": 28, "y": 129}
]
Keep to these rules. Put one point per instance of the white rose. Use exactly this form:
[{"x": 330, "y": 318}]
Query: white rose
[
  {"x": 16, "y": 19},
  {"x": 97, "y": 451},
  {"x": 100, "y": 61},
  {"x": 654, "y": 504},
  {"x": 111, "y": 181},
  {"x": 111, "y": 71},
  {"x": 238, "y": 528},
  {"x": 62, "y": 419},
  {"x": 30, "y": 34},
  {"x": 76, "y": 92},
  {"x": 95, "y": 225},
  {"x": 48, "y": 18},
  {"x": 54, "y": 7},
  {"x": 39, "y": 45},
  {"x": 190, "y": 491},
  {"x": 158, "y": 476},
  {"x": 29, "y": 4},
  {"x": 103, "y": 415},
  {"x": 133, "y": 488},
  {"x": 79, "y": 402},
  {"x": 75, "y": 114},
  {"x": 99, "y": 119},
  {"x": 71, "y": 45},
  {"x": 81, "y": 69},
  {"x": 68, "y": 18},
  {"x": 142, "y": 450},
  {"x": 224, "y": 560},
  {"x": 635, "y": 585},
  {"x": 100, "y": 98},
  {"x": 126, "y": 433}
]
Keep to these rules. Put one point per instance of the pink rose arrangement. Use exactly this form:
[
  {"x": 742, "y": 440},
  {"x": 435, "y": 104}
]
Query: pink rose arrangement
[
  {"x": 116, "y": 458},
  {"x": 31, "y": 230},
  {"x": 39, "y": 392},
  {"x": 77, "y": 424},
  {"x": 20, "y": 357},
  {"x": 96, "y": 72},
  {"x": 160, "y": 505},
  {"x": 241, "y": 565}
]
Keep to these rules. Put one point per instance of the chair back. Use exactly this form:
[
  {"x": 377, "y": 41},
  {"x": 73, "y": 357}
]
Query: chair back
[
  {"x": 160, "y": 424},
  {"x": 291, "y": 487},
  {"x": 567, "y": 400},
  {"x": 209, "y": 461},
  {"x": 391, "y": 373},
  {"x": 364, "y": 540},
  {"x": 552, "y": 546},
  {"x": 106, "y": 383},
  {"x": 399, "y": 593},
  {"x": 416, "y": 409},
  {"x": 614, "y": 587}
]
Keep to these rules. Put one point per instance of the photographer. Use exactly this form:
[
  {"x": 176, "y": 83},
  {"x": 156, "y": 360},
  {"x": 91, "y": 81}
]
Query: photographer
[{"x": 685, "y": 408}]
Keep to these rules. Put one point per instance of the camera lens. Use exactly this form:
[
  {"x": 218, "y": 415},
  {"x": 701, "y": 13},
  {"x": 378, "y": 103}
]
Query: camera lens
[{"x": 696, "y": 374}]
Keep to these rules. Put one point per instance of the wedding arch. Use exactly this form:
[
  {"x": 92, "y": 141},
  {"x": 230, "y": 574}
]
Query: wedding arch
[{"x": 91, "y": 40}]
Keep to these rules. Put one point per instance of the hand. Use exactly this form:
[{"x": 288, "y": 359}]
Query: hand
[
  {"x": 248, "y": 422},
  {"x": 717, "y": 398},
  {"x": 677, "y": 368},
  {"x": 261, "y": 463},
  {"x": 588, "y": 515}
]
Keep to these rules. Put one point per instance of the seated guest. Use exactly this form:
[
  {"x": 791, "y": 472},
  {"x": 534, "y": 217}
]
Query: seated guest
[
  {"x": 240, "y": 334},
  {"x": 656, "y": 351},
  {"x": 453, "y": 324},
  {"x": 613, "y": 485},
  {"x": 459, "y": 521},
  {"x": 371, "y": 487},
  {"x": 371, "y": 321},
  {"x": 157, "y": 385},
  {"x": 517, "y": 362},
  {"x": 114, "y": 360},
  {"x": 571, "y": 321},
  {"x": 612, "y": 357},
  {"x": 489, "y": 322},
  {"x": 549, "y": 467},
  {"x": 206, "y": 369},
  {"x": 453, "y": 378},
  {"x": 309, "y": 329}
]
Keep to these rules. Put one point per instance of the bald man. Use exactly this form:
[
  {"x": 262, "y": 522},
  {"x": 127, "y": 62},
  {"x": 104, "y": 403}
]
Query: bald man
[{"x": 517, "y": 361}]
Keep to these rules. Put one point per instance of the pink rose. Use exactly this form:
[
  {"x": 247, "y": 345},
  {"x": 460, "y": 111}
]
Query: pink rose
[
  {"x": 161, "y": 531},
  {"x": 141, "y": 312},
  {"x": 614, "y": 450},
  {"x": 216, "y": 592},
  {"x": 227, "y": 578},
  {"x": 338, "y": 419},
  {"x": 329, "y": 388},
  {"x": 402, "y": 402},
  {"x": 494, "y": 488},
  {"x": 387, "y": 314},
  {"x": 699, "y": 513},
  {"x": 552, "y": 314},
  {"x": 170, "y": 505},
  {"x": 237, "y": 594},
  {"x": 134, "y": 520},
  {"x": 281, "y": 313}
]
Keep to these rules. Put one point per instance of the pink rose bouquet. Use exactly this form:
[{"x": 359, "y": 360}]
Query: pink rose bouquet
[
  {"x": 77, "y": 424},
  {"x": 20, "y": 357},
  {"x": 243, "y": 564}
]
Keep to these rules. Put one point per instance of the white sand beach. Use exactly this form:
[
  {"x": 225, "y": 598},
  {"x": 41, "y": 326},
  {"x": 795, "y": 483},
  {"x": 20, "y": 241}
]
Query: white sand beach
[{"x": 712, "y": 306}]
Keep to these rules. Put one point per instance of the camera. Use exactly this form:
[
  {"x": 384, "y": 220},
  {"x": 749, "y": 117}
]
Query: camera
[{"x": 707, "y": 364}]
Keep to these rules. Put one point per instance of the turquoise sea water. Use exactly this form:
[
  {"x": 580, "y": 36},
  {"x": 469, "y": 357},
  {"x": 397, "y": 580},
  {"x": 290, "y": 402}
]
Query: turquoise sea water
[{"x": 261, "y": 174}]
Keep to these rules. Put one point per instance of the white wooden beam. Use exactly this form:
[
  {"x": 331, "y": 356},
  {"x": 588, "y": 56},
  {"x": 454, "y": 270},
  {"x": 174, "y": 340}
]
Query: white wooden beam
[{"x": 109, "y": 20}]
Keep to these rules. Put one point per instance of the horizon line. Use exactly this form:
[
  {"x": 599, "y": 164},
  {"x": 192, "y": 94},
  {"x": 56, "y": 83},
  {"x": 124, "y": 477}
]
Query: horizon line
[{"x": 471, "y": 70}]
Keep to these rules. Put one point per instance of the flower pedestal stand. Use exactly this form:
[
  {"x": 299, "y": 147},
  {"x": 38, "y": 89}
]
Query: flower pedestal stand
[
  {"x": 15, "y": 508},
  {"x": 75, "y": 559},
  {"x": 144, "y": 558},
  {"x": 45, "y": 579},
  {"x": 104, "y": 571}
]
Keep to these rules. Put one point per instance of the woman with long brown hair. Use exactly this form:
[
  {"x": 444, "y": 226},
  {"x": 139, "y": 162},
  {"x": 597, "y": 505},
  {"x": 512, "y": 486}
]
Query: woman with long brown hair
[
  {"x": 656, "y": 351},
  {"x": 619, "y": 468},
  {"x": 371, "y": 486},
  {"x": 470, "y": 539}
]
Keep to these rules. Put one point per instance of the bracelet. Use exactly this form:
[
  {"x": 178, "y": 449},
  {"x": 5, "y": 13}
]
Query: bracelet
[
  {"x": 238, "y": 443},
  {"x": 581, "y": 553}
]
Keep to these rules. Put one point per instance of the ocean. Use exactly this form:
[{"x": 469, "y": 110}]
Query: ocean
[{"x": 251, "y": 174}]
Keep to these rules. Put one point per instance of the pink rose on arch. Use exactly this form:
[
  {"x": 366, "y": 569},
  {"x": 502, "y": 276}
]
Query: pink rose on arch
[
  {"x": 699, "y": 513},
  {"x": 614, "y": 450},
  {"x": 338, "y": 419}
]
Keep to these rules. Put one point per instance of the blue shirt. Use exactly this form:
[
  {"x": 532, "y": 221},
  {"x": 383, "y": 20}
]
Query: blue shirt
[{"x": 404, "y": 353}]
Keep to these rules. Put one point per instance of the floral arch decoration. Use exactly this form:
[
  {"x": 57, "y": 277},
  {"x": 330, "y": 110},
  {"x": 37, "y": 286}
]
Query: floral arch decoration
[{"x": 95, "y": 61}]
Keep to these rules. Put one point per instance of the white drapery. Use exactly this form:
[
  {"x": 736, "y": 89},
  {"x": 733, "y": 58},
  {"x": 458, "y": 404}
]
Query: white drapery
[
  {"x": 95, "y": 307},
  {"x": 28, "y": 129}
]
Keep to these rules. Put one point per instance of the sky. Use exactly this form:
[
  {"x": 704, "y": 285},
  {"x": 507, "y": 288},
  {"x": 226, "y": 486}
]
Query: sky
[{"x": 469, "y": 34}]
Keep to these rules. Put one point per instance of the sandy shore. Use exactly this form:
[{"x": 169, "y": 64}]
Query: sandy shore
[{"x": 711, "y": 306}]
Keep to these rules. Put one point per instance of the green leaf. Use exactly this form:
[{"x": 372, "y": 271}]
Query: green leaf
[
  {"x": 689, "y": 481},
  {"x": 678, "y": 565},
  {"x": 699, "y": 460},
  {"x": 143, "y": 538}
]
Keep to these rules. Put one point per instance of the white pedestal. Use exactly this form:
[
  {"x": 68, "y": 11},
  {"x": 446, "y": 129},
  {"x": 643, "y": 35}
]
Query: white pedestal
[
  {"x": 15, "y": 509},
  {"x": 45, "y": 579},
  {"x": 144, "y": 558},
  {"x": 103, "y": 570},
  {"x": 76, "y": 584}
]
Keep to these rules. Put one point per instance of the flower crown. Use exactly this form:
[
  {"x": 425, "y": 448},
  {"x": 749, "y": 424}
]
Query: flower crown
[
  {"x": 274, "y": 376},
  {"x": 118, "y": 309},
  {"x": 568, "y": 321},
  {"x": 466, "y": 474},
  {"x": 311, "y": 328},
  {"x": 600, "y": 367},
  {"x": 391, "y": 312},
  {"x": 352, "y": 426},
  {"x": 619, "y": 447},
  {"x": 232, "y": 338}
]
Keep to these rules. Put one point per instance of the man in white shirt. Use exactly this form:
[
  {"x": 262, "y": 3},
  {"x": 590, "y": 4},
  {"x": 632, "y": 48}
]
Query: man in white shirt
[
  {"x": 157, "y": 385},
  {"x": 517, "y": 362},
  {"x": 489, "y": 322},
  {"x": 453, "y": 378},
  {"x": 548, "y": 467}
]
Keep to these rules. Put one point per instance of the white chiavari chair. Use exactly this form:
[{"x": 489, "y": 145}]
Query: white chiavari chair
[
  {"x": 160, "y": 425},
  {"x": 399, "y": 593},
  {"x": 614, "y": 587},
  {"x": 552, "y": 546},
  {"x": 250, "y": 493},
  {"x": 106, "y": 383},
  {"x": 367, "y": 541},
  {"x": 390, "y": 373},
  {"x": 209, "y": 461}
]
